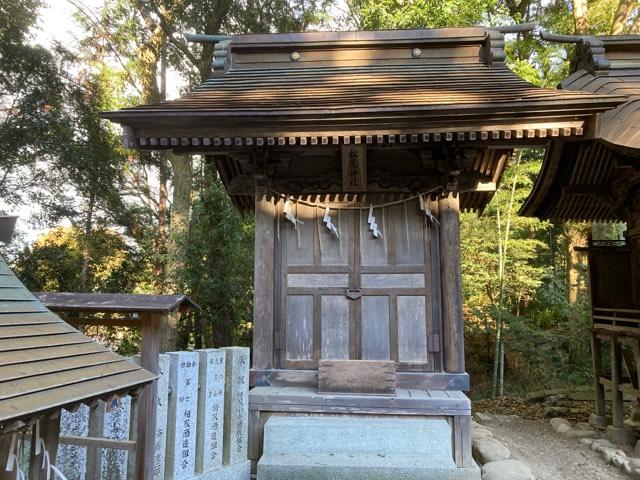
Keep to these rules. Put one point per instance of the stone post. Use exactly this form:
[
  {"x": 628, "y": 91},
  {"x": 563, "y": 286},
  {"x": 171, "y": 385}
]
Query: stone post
[
  {"x": 182, "y": 415},
  {"x": 210, "y": 410},
  {"x": 236, "y": 401}
]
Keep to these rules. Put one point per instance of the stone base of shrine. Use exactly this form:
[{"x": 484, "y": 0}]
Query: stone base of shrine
[{"x": 302, "y": 411}]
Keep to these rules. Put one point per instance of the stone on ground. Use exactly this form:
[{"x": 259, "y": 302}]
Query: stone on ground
[
  {"x": 486, "y": 450},
  {"x": 555, "y": 412},
  {"x": 581, "y": 434},
  {"x": 480, "y": 433},
  {"x": 601, "y": 443},
  {"x": 484, "y": 418},
  {"x": 557, "y": 421},
  {"x": 506, "y": 470}
]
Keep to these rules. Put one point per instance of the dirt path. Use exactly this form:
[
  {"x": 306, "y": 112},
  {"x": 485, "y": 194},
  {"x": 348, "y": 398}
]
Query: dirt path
[{"x": 550, "y": 456}]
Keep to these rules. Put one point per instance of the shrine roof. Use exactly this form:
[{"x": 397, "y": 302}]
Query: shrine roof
[
  {"x": 340, "y": 83},
  {"x": 45, "y": 364},
  {"x": 590, "y": 180}
]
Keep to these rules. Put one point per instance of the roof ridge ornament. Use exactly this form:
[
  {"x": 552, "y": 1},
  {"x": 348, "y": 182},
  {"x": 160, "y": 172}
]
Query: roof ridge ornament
[
  {"x": 221, "y": 43},
  {"x": 590, "y": 51}
]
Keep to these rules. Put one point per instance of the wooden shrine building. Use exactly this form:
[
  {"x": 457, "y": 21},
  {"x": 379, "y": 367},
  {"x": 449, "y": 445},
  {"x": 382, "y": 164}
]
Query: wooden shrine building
[
  {"x": 358, "y": 151},
  {"x": 47, "y": 365},
  {"x": 598, "y": 179}
]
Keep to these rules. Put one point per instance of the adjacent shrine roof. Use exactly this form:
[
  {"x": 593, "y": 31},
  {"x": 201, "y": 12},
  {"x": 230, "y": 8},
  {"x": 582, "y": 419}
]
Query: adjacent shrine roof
[
  {"x": 595, "y": 179},
  {"x": 300, "y": 86},
  {"x": 45, "y": 364}
]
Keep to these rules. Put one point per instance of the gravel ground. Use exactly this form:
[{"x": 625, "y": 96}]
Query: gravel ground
[{"x": 549, "y": 455}]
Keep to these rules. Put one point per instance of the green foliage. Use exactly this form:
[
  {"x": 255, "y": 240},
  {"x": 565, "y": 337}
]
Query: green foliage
[
  {"x": 390, "y": 14},
  {"x": 54, "y": 261},
  {"x": 218, "y": 271}
]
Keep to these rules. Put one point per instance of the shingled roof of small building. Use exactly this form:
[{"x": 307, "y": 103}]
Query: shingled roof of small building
[
  {"x": 330, "y": 83},
  {"x": 578, "y": 179},
  {"x": 309, "y": 94},
  {"x": 45, "y": 364}
]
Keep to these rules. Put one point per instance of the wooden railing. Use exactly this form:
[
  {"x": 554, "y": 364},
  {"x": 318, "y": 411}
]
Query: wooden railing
[{"x": 617, "y": 320}]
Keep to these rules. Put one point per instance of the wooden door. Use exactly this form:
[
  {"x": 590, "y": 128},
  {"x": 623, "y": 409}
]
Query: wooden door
[{"x": 356, "y": 296}]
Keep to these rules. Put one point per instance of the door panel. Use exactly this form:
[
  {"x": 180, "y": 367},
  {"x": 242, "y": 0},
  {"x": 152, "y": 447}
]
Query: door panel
[
  {"x": 299, "y": 238},
  {"x": 375, "y": 328},
  {"x": 317, "y": 280},
  {"x": 299, "y": 344},
  {"x": 406, "y": 234},
  {"x": 334, "y": 250},
  {"x": 392, "y": 280},
  {"x": 334, "y": 315},
  {"x": 412, "y": 329},
  {"x": 373, "y": 251}
]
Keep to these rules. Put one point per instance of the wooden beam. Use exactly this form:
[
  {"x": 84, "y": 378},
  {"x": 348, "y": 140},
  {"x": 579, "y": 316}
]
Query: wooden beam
[
  {"x": 96, "y": 442},
  {"x": 149, "y": 360},
  {"x": 452, "y": 321}
]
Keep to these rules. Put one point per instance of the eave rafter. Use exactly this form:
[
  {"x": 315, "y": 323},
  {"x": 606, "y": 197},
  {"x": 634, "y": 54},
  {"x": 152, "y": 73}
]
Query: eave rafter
[{"x": 517, "y": 136}]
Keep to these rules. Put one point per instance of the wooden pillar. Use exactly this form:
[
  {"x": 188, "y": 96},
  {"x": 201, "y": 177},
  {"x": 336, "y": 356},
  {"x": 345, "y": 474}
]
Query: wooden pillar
[
  {"x": 452, "y": 321},
  {"x": 147, "y": 403},
  {"x": 599, "y": 419},
  {"x": 617, "y": 406},
  {"x": 263, "y": 284},
  {"x": 50, "y": 433},
  {"x": 633, "y": 239},
  {"x": 96, "y": 430}
]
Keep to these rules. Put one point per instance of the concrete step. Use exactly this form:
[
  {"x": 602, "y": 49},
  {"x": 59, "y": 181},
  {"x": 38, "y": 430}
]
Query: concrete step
[
  {"x": 358, "y": 467},
  {"x": 365, "y": 435}
]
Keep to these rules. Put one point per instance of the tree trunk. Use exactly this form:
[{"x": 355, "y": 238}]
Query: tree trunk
[
  {"x": 182, "y": 167},
  {"x": 576, "y": 237},
  {"x": 580, "y": 17},
  {"x": 160, "y": 257},
  {"x": 622, "y": 15},
  {"x": 86, "y": 253}
]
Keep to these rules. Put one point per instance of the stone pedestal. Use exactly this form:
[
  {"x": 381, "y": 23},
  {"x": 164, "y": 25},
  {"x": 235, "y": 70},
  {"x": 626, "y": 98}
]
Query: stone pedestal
[
  {"x": 182, "y": 417},
  {"x": 599, "y": 421},
  {"x": 236, "y": 405},
  {"x": 621, "y": 435}
]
